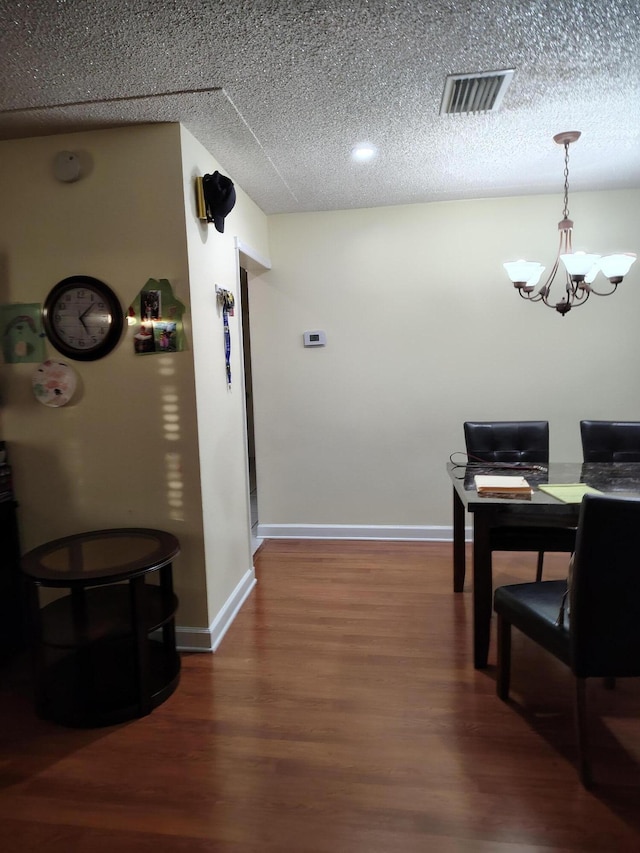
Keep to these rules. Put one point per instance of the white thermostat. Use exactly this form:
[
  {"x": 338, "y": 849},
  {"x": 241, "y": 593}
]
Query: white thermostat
[{"x": 315, "y": 339}]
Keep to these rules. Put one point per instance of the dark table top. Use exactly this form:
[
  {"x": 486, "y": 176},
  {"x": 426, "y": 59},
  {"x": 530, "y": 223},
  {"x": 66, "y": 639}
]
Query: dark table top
[
  {"x": 621, "y": 479},
  {"x": 100, "y": 556}
]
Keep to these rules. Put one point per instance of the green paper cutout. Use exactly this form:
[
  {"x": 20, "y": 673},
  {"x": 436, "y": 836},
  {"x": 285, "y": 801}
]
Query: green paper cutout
[
  {"x": 22, "y": 333},
  {"x": 158, "y": 316}
]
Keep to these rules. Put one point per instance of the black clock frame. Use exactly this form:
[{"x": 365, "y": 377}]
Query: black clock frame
[{"x": 114, "y": 333}]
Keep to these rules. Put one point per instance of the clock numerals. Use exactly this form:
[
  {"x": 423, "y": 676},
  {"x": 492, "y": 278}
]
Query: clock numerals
[{"x": 82, "y": 343}]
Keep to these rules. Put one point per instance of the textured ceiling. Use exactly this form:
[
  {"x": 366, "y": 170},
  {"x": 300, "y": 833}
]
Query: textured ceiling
[{"x": 279, "y": 92}]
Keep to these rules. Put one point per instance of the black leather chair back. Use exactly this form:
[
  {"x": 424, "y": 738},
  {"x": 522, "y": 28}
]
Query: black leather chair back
[
  {"x": 605, "y": 589},
  {"x": 610, "y": 441},
  {"x": 507, "y": 441}
]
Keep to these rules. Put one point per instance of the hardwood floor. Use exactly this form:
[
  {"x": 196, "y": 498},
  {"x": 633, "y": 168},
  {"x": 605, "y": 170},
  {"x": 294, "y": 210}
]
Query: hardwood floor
[{"x": 341, "y": 714}]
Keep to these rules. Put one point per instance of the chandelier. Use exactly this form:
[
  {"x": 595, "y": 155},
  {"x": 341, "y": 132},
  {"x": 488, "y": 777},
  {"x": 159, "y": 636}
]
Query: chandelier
[{"x": 580, "y": 268}]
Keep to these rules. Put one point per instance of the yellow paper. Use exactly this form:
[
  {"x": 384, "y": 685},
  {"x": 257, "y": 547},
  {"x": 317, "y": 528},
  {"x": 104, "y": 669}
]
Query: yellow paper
[{"x": 569, "y": 493}]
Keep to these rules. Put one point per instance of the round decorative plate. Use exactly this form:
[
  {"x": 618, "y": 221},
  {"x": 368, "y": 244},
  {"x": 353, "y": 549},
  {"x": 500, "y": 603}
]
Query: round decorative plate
[{"x": 54, "y": 383}]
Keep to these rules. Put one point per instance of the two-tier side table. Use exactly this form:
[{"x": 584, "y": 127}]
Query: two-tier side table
[{"x": 105, "y": 651}]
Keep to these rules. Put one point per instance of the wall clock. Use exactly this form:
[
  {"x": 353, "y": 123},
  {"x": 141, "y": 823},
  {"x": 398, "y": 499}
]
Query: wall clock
[{"x": 83, "y": 318}]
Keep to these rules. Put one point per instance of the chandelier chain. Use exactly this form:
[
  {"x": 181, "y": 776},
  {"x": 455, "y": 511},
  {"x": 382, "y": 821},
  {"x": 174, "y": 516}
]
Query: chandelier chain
[{"x": 566, "y": 181}]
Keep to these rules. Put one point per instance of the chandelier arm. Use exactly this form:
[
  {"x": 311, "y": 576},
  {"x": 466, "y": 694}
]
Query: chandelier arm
[
  {"x": 529, "y": 297},
  {"x": 546, "y": 288},
  {"x": 564, "y": 246},
  {"x": 580, "y": 300},
  {"x": 579, "y": 295},
  {"x": 607, "y": 293}
]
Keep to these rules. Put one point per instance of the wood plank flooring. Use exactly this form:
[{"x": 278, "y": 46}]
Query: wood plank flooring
[{"x": 341, "y": 714}]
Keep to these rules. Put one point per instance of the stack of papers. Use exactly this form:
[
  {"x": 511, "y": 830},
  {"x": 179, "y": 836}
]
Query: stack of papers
[{"x": 509, "y": 486}]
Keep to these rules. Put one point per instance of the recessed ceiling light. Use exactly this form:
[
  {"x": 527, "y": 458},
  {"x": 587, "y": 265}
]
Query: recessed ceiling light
[{"x": 364, "y": 152}]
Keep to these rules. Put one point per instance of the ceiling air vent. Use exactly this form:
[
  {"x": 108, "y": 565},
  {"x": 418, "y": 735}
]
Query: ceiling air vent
[{"x": 474, "y": 93}]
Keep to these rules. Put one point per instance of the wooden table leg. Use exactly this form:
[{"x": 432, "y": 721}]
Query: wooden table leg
[
  {"x": 482, "y": 590},
  {"x": 459, "y": 569},
  {"x": 34, "y": 630},
  {"x": 169, "y": 628},
  {"x": 141, "y": 640}
]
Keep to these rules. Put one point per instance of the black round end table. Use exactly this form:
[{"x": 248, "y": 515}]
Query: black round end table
[{"x": 95, "y": 662}]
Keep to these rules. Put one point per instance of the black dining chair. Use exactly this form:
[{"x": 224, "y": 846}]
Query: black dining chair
[
  {"x": 610, "y": 441},
  {"x": 595, "y": 629},
  {"x": 500, "y": 442}
]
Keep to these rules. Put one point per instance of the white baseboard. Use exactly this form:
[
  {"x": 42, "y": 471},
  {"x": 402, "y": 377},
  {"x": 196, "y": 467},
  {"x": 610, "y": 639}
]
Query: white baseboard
[
  {"x": 402, "y": 532},
  {"x": 208, "y": 639}
]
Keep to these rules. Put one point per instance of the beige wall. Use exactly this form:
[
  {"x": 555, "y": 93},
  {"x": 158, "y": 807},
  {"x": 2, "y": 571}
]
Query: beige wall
[
  {"x": 220, "y": 410},
  {"x": 117, "y": 455},
  {"x": 425, "y": 330}
]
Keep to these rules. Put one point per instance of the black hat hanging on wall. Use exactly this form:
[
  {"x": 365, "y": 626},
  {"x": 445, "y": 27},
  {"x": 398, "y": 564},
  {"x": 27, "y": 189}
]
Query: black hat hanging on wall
[{"x": 219, "y": 198}]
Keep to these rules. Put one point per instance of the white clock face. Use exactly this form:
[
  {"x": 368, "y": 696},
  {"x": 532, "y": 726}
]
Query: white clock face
[{"x": 81, "y": 318}]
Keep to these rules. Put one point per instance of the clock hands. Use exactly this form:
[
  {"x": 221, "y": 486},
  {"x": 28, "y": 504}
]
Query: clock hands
[{"x": 83, "y": 315}]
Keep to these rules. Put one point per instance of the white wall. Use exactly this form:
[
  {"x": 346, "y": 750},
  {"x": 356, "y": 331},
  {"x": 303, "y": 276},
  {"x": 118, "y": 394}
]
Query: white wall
[
  {"x": 220, "y": 410},
  {"x": 425, "y": 331}
]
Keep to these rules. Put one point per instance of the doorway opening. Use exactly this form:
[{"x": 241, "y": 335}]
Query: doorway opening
[{"x": 248, "y": 394}]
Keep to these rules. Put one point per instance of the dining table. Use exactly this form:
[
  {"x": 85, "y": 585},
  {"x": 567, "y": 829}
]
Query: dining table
[{"x": 539, "y": 509}]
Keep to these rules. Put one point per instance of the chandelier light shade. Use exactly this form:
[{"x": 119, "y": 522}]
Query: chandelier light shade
[{"x": 580, "y": 268}]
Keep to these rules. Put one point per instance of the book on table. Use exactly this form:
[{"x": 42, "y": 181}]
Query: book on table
[{"x": 509, "y": 486}]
